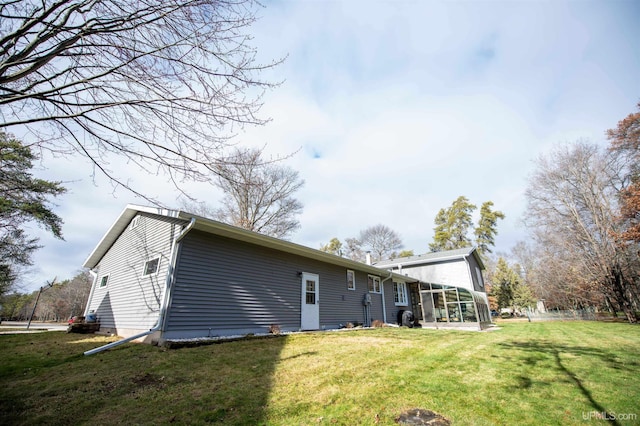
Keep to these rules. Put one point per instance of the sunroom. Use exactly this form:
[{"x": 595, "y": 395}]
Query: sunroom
[{"x": 455, "y": 307}]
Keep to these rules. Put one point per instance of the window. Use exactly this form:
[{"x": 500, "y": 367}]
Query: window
[
  {"x": 104, "y": 280},
  {"x": 480, "y": 280},
  {"x": 374, "y": 284},
  {"x": 151, "y": 266},
  {"x": 311, "y": 292},
  {"x": 135, "y": 221},
  {"x": 351, "y": 280},
  {"x": 400, "y": 294}
]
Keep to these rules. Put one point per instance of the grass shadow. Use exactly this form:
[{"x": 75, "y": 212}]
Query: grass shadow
[
  {"x": 228, "y": 383},
  {"x": 537, "y": 351}
]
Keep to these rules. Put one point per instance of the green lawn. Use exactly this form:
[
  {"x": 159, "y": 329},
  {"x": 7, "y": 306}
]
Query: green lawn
[{"x": 560, "y": 373}]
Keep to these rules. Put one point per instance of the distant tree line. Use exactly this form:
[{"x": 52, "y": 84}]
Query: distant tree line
[
  {"x": 58, "y": 303},
  {"x": 453, "y": 224},
  {"x": 583, "y": 217}
]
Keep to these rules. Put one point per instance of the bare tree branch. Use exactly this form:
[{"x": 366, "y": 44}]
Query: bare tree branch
[
  {"x": 381, "y": 240},
  {"x": 162, "y": 83},
  {"x": 572, "y": 204},
  {"x": 259, "y": 196}
]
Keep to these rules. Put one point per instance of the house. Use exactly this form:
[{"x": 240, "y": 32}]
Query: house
[
  {"x": 450, "y": 288},
  {"x": 164, "y": 274}
]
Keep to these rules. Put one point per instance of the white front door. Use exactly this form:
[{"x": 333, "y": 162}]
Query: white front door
[{"x": 310, "y": 308}]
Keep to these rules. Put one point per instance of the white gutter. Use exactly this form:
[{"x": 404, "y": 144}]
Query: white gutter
[{"x": 164, "y": 298}]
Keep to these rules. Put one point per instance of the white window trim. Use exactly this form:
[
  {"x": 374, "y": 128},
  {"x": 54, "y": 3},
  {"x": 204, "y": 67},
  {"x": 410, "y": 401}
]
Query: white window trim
[
  {"x": 376, "y": 288},
  {"x": 353, "y": 280},
  {"x": 144, "y": 268},
  {"x": 401, "y": 294},
  {"x": 102, "y": 278}
]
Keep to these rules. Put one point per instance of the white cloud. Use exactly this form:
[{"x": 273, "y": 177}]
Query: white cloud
[{"x": 397, "y": 108}]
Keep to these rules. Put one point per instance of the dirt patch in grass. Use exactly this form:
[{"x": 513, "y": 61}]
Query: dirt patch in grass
[
  {"x": 419, "y": 416},
  {"x": 149, "y": 381}
]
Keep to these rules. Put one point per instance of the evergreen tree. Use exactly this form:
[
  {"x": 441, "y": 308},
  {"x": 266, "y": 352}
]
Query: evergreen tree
[
  {"x": 523, "y": 297},
  {"x": 454, "y": 223},
  {"x": 486, "y": 230},
  {"x": 334, "y": 247},
  {"x": 23, "y": 199},
  {"x": 452, "y": 226},
  {"x": 504, "y": 284},
  {"x": 406, "y": 253},
  {"x": 509, "y": 288}
]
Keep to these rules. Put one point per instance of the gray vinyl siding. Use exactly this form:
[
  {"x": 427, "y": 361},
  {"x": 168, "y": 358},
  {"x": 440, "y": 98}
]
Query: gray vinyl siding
[
  {"x": 390, "y": 302},
  {"x": 131, "y": 300},
  {"x": 454, "y": 273},
  {"x": 478, "y": 281},
  {"x": 224, "y": 286}
]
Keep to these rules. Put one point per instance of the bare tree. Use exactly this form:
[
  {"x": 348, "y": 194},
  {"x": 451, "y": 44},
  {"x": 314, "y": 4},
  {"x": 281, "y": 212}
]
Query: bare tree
[
  {"x": 572, "y": 201},
  {"x": 259, "y": 195},
  {"x": 353, "y": 249},
  {"x": 65, "y": 299},
  {"x": 381, "y": 240},
  {"x": 625, "y": 143},
  {"x": 162, "y": 83},
  {"x": 555, "y": 276}
]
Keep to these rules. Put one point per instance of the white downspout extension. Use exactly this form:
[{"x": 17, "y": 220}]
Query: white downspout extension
[
  {"x": 164, "y": 298},
  {"x": 384, "y": 308}
]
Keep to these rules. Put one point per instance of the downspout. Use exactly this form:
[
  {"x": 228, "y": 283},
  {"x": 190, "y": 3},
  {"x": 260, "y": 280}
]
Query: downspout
[
  {"x": 384, "y": 308},
  {"x": 165, "y": 296}
]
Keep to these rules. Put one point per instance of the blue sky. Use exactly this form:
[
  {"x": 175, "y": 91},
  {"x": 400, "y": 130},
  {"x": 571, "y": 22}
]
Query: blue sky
[{"x": 398, "y": 108}]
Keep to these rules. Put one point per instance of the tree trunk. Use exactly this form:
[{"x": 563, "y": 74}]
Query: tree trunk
[
  {"x": 611, "y": 306},
  {"x": 621, "y": 295}
]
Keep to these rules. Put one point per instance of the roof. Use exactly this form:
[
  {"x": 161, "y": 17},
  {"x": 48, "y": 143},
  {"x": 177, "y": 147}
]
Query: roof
[
  {"x": 222, "y": 229},
  {"x": 116, "y": 229},
  {"x": 435, "y": 257}
]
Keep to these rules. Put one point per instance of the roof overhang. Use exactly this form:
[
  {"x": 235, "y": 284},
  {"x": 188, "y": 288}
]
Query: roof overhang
[
  {"x": 222, "y": 229},
  {"x": 118, "y": 227},
  {"x": 396, "y": 263}
]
